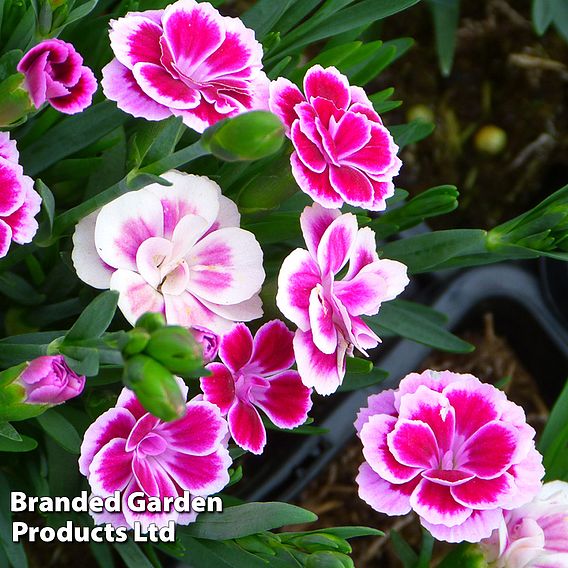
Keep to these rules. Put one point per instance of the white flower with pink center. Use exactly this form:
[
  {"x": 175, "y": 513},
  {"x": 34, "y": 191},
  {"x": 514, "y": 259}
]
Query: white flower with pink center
[
  {"x": 451, "y": 448},
  {"x": 256, "y": 373},
  {"x": 328, "y": 310},
  {"x": 535, "y": 535},
  {"x": 186, "y": 60},
  {"x": 127, "y": 449},
  {"x": 19, "y": 203},
  {"x": 175, "y": 250}
]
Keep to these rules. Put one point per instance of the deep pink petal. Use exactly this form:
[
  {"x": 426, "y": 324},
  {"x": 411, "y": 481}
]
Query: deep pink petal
[
  {"x": 314, "y": 221},
  {"x": 364, "y": 252},
  {"x": 12, "y": 191},
  {"x": 322, "y": 325},
  {"x": 307, "y": 151},
  {"x": 413, "y": 444},
  {"x": 384, "y": 497},
  {"x": 246, "y": 427},
  {"x": 362, "y": 294},
  {"x": 337, "y": 243},
  {"x": 135, "y": 39},
  {"x": 111, "y": 468},
  {"x": 327, "y": 83},
  {"x": 5, "y": 238},
  {"x": 382, "y": 190},
  {"x": 353, "y": 133},
  {"x": 316, "y": 185},
  {"x": 273, "y": 350},
  {"x": 377, "y": 155},
  {"x": 448, "y": 477},
  {"x": 80, "y": 95},
  {"x": 114, "y": 423},
  {"x": 489, "y": 451},
  {"x": 435, "y": 503},
  {"x": 236, "y": 347},
  {"x": 484, "y": 493},
  {"x": 353, "y": 186},
  {"x": 219, "y": 387},
  {"x": 142, "y": 428},
  {"x": 285, "y": 400},
  {"x": 298, "y": 276},
  {"x": 22, "y": 221},
  {"x": 527, "y": 475},
  {"x": 374, "y": 435},
  {"x": 284, "y": 96},
  {"x": 119, "y": 85}
]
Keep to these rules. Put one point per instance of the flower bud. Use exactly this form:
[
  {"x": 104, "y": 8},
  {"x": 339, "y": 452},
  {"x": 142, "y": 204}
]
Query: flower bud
[
  {"x": 15, "y": 102},
  {"x": 316, "y": 542},
  {"x": 155, "y": 387},
  {"x": 136, "y": 341},
  {"x": 209, "y": 342},
  {"x": 328, "y": 559},
  {"x": 491, "y": 139},
  {"x": 248, "y": 136},
  {"x": 151, "y": 321},
  {"x": 174, "y": 347}
]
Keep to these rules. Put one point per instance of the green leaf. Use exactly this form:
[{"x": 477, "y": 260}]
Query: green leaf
[
  {"x": 412, "y": 132},
  {"x": 9, "y": 61},
  {"x": 353, "y": 382},
  {"x": 425, "y": 555},
  {"x": 19, "y": 289},
  {"x": 277, "y": 228},
  {"x": 427, "y": 251},
  {"x": 407, "y": 556},
  {"x": 8, "y": 431},
  {"x": 61, "y": 430},
  {"x": 71, "y": 135},
  {"x": 554, "y": 441},
  {"x": 76, "y": 14},
  {"x": 464, "y": 555},
  {"x": 358, "y": 365},
  {"x": 47, "y": 205},
  {"x": 405, "y": 321},
  {"x": 262, "y": 16},
  {"x": 542, "y": 14},
  {"x": 446, "y": 14},
  {"x": 26, "y": 445},
  {"x": 131, "y": 554},
  {"x": 244, "y": 520},
  {"x": 14, "y": 551},
  {"x": 95, "y": 319},
  {"x": 340, "y": 532},
  {"x": 102, "y": 553}
]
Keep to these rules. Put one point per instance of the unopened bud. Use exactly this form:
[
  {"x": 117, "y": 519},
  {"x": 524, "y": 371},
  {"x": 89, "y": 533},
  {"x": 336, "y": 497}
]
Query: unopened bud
[
  {"x": 151, "y": 321},
  {"x": 321, "y": 541},
  {"x": 491, "y": 139},
  {"x": 176, "y": 349},
  {"x": 15, "y": 102},
  {"x": 136, "y": 341},
  {"x": 328, "y": 559}
]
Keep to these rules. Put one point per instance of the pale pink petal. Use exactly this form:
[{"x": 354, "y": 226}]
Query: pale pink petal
[
  {"x": 314, "y": 221},
  {"x": 111, "y": 468},
  {"x": 199, "y": 432},
  {"x": 362, "y": 336},
  {"x": 226, "y": 266},
  {"x": 246, "y": 310},
  {"x": 236, "y": 347},
  {"x": 246, "y": 427},
  {"x": 327, "y": 83},
  {"x": 142, "y": 428},
  {"x": 383, "y": 496},
  {"x": 374, "y": 436},
  {"x": 114, "y": 423},
  {"x": 135, "y": 39},
  {"x": 353, "y": 186},
  {"x": 484, "y": 493},
  {"x": 218, "y": 387},
  {"x": 8, "y": 148},
  {"x": 150, "y": 256},
  {"x": 527, "y": 475},
  {"x": 380, "y": 403},
  {"x": 322, "y": 372},
  {"x": 435, "y": 504},
  {"x": 119, "y": 85},
  {"x": 124, "y": 224},
  {"x": 136, "y": 296},
  {"x": 5, "y": 238},
  {"x": 286, "y": 401},
  {"x": 307, "y": 151},
  {"x": 413, "y": 444},
  {"x": 364, "y": 252},
  {"x": 479, "y": 525},
  {"x": 316, "y": 185},
  {"x": 382, "y": 190},
  {"x": 22, "y": 221},
  {"x": 228, "y": 215},
  {"x": 362, "y": 294},
  {"x": 284, "y": 96},
  {"x": 337, "y": 243},
  {"x": 298, "y": 276},
  {"x": 273, "y": 349}
]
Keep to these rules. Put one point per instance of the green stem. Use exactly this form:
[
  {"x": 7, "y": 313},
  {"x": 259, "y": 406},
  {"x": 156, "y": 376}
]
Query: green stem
[{"x": 177, "y": 159}]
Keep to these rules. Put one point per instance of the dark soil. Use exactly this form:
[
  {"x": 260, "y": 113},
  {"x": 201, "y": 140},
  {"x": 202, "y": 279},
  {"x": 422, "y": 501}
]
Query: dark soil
[{"x": 333, "y": 495}]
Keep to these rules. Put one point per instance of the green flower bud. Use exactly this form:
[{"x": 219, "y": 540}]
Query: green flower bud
[
  {"x": 249, "y": 136},
  {"x": 155, "y": 387},
  {"x": 136, "y": 341},
  {"x": 15, "y": 102},
  {"x": 12, "y": 397},
  {"x": 491, "y": 139},
  {"x": 420, "y": 112},
  {"x": 256, "y": 545},
  {"x": 174, "y": 347},
  {"x": 151, "y": 321},
  {"x": 328, "y": 559},
  {"x": 320, "y": 541}
]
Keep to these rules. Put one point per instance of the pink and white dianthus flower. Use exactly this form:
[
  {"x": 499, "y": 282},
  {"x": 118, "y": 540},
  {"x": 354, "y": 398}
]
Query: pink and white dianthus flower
[
  {"x": 54, "y": 72},
  {"x": 328, "y": 311},
  {"x": 342, "y": 151},
  {"x": 535, "y": 535},
  {"x": 186, "y": 60},
  {"x": 129, "y": 450},
  {"x": 256, "y": 373},
  {"x": 451, "y": 448},
  {"x": 19, "y": 203},
  {"x": 175, "y": 250}
]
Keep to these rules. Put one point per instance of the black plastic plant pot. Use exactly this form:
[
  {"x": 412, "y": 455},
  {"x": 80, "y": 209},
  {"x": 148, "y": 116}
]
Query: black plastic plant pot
[{"x": 522, "y": 314}]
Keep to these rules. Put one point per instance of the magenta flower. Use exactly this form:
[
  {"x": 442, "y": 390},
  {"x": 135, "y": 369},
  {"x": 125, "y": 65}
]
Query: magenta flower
[
  {"x": 175, "y": 250},
  {"x": 451, "y": 448},
  {"x": 55, "y": 73},
  {"x": 19, "y": 203},
  {"x": 328, "y": 312},
  {"x": 535, "y": 535},
  {"x": 256, "y": 373},
  {"x": 209, "y": 342},
  {"x": 127, "y": 449},
  {"x": 186, "y": 60},
  {"x": 343, "y": 153},
  {"x": 49, "y": 380}
]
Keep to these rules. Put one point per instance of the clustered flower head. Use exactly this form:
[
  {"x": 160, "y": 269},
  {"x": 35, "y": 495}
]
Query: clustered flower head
[
  {"x": 19, "y": 203},
  {"x": 342, "y": 151},
  {"x": 54, "y": 72},
  {"x": 256, "y": 373},
  {"x": 186, "y": 60},
  {"x": 328, "y": 311},
  {"x": 534, "y": 535},
  {"x": 451, "y": 448},
  {"x": 175, "y": 250},
  {"x": 129, "y": 450}
]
